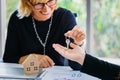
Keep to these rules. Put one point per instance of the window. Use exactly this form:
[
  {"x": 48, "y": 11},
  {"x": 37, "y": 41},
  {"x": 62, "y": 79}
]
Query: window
[
  {"x": 78, "y": 7},
  {"x": 11, "y": 5},
  {"x": 106, "y": 27},
  {"x": 6, "y": 7}
]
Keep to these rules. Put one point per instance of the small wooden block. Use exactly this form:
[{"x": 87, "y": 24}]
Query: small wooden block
[{"x": 31, "y": 65}]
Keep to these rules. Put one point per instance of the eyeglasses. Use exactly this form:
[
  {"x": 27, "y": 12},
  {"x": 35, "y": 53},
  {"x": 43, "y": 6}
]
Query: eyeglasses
[{"x": 40, "y": 5}]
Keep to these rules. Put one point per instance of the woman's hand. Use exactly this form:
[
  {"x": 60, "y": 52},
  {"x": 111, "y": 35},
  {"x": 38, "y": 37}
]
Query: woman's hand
[
  {"x": 77, "y": 34},
  {"x": 76, "y": 54},
  {"x": 44, "y": 60}
]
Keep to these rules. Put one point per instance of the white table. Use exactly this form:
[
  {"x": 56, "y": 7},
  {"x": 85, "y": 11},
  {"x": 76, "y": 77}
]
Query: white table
[{"x": 15, "y": 72}]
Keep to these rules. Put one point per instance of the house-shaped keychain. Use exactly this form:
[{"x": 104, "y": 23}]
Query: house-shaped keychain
[{"x": 31, "y": 65}]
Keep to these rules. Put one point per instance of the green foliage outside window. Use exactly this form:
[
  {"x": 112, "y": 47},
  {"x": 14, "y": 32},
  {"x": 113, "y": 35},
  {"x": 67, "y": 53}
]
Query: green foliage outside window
[
  {"x": 11, "y": 5},
  {"x": 106, "y": 21},
  {"x": 76, "y": 6}
]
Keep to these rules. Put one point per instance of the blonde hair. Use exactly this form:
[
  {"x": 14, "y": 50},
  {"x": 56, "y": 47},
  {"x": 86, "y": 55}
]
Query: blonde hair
[{"x": 24, "y": 9}]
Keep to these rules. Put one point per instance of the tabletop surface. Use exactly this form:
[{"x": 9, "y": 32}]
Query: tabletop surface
[{"x": 15, "y": 71}]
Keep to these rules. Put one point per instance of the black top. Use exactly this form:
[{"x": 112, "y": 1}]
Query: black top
[
  {"x": 100, "y": 69},
  {"x": 21, "y": 38}
]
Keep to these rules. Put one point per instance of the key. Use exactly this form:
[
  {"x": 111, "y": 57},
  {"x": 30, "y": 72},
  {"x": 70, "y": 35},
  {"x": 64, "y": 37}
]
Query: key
[{"x": 67, "y": 42}]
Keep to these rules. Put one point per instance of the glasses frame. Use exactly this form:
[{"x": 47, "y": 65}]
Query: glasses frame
[{"x": 41, "y": 5}]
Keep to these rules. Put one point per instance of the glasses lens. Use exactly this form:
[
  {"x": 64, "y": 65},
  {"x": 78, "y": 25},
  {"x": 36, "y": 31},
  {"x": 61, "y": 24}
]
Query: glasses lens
[
  {"x": 51, "y": 2},
  {"x": 38, "y": 6}
]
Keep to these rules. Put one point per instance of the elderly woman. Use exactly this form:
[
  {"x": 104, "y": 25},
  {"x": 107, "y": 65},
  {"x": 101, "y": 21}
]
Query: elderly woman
[{"x": 33, "y": 28}]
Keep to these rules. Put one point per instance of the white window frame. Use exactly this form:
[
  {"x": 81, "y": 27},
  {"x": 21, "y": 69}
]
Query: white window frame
[
  {"x": 89, "y": 28},
  {"x": 2, "y": 25}
]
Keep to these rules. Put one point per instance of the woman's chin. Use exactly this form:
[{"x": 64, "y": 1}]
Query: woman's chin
[{"x": 46, "y": 17}]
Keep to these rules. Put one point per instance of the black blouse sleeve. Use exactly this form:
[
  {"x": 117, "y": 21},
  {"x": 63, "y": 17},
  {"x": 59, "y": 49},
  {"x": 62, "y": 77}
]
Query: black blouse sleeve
[
  {"x": 11, "y": 46},
  {"x": 100, "y": 68}
]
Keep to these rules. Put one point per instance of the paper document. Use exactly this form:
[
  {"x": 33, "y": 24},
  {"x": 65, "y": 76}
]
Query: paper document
[
  {"x": 65, "y": 73},
  {"x": 58, "y": 68}
]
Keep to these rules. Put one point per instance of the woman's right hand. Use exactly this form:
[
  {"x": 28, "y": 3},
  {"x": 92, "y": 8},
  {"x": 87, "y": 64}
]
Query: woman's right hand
[
  {"x": 77, "y": 34},
  {"x": 45, "y": 61}
]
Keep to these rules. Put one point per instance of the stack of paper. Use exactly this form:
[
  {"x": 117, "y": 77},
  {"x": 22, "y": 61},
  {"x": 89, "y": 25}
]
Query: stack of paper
[{"x": 65, "y": 73}]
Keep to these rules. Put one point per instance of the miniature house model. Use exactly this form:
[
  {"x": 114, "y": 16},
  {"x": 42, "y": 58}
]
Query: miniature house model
[{"x": 31, "y": 64}]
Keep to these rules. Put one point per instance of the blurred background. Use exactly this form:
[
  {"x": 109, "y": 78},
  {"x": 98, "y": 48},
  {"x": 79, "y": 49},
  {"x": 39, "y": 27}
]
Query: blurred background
[{"x": 100, "y": 19}]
